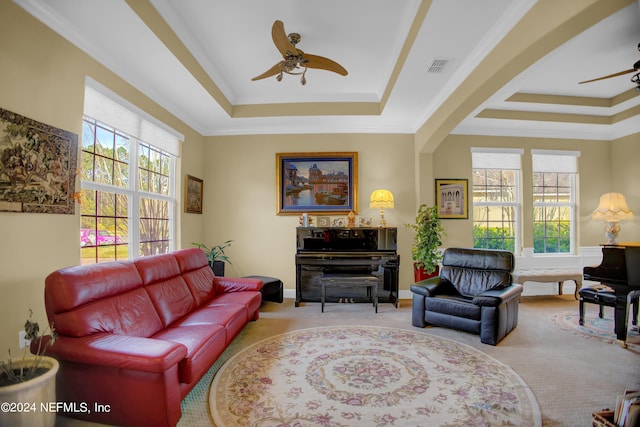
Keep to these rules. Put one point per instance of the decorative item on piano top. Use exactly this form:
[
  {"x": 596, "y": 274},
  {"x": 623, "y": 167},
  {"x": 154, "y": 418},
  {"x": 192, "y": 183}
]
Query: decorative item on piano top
[
  {"x": 612, "y": 209},
  {"x": 381, "y": 199},
  {"x": 216, "y": 256},
  {"x": 428, "y": 239}
]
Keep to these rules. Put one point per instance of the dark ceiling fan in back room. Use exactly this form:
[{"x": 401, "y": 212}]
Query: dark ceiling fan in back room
[
  {"x": 634, "y": 79},
  {"x": 295, "y": 61}
]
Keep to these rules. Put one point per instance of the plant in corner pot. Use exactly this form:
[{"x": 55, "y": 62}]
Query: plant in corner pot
[
  {"x": 424, "y": 251},
  {"x": 216, "y": 256},
  {"x": 29, "y": 380}
]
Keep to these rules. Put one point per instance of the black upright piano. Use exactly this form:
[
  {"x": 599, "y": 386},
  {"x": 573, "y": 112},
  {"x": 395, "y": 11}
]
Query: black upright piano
[
  {"x": 620, "y": 270},
  {"x": 346, "y": 249}
]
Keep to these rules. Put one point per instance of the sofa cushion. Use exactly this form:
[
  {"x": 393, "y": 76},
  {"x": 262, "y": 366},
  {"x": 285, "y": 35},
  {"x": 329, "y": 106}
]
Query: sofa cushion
[
  {"x": 471, "y": 282},
  {"x": 200, "y": 283},
  {"x": 204, "y": 343},
  {"x": 72, "y": 287},
  {"x": 232, "y": 317},
  {"x": 172, "y": 299},
  {"x": 156, "y": 268},
  {"x": 249, "y": 300},
  {"x": 190, "y": 259},
  {"x": 130, "y": 313},
  {"x": 167, "y": 289},
  {"x": 197, "y": 273}
]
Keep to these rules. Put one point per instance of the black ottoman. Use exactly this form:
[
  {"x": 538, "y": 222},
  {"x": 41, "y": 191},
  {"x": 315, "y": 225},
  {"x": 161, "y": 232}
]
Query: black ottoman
[{"x": 272, "y": 288}]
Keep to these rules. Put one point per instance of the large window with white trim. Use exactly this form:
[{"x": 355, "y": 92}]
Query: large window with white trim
[
  {"x": 496, "y": 198},
  {"x": 554, "y": 204},
  {"x": 128, "y": 183}
]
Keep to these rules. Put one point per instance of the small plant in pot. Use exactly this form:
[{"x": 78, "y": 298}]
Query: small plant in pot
[
  {"x": 29, "y": 380},
  {"x": 216, "y": 256},
  {"x": 425, "y": 249}
]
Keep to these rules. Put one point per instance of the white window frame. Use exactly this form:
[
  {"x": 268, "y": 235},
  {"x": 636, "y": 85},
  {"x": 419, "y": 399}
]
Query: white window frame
[
  {"x": 494, "y": 162},
  {"x": 566, "y": 163}
]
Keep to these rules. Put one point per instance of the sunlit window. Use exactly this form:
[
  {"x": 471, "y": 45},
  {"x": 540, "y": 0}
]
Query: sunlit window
[
  {"x": 496, "y": 199},
  {"x": 128, "y": 192},
  {"x": 554, "y": 177}
]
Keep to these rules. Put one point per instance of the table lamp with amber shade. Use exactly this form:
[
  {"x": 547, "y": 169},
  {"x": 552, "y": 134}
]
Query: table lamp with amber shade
[{"x": 381, "y": 199}]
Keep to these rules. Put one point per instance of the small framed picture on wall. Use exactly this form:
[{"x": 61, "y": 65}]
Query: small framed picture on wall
[
  {"x": 193, "y": 195},
  {"x": 452, "y": 198}
]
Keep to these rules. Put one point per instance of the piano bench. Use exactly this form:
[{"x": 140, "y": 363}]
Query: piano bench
[
  {"x": 604, "y": 296},
  {"x": 346, "y": 280},
  {"x": 545, "y": 275}
]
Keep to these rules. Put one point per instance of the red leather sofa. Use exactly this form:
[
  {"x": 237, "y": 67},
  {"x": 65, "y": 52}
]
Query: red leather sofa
[{"x": 136, "y": 336}]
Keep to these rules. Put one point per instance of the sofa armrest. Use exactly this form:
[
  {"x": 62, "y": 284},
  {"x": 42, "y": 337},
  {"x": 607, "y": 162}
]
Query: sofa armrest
[
  {"x": 236, "y": 284},
  {"x": 495, "y": 297},
  {"x": 428, "y": 287},
  {"x": 119, "y": 351}
]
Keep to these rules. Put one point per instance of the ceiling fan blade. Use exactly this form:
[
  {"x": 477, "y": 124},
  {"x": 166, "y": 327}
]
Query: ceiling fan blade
[
  {"x": 281, "y": 40},
  {"x": 315, "y": 61},
  {"x": 610, "y": 75},
  {"x": 270, "y": 72}
]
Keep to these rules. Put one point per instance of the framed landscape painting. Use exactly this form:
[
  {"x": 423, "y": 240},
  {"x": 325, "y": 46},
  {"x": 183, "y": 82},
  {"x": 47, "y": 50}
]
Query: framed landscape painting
[
  {"x": 317, "y": 183},
  {"x": 452, "y": 198}
]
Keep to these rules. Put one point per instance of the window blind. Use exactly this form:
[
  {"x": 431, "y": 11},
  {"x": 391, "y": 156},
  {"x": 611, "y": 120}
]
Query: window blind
[
  {"x": 496, "y": 158},
  {"x": 102, "y": 104},
  {"x": 554, "y": 161}
]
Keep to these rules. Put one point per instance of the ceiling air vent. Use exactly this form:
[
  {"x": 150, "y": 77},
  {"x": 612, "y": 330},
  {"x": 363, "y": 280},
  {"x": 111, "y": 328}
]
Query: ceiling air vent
[{"x": 438, "y": 65}]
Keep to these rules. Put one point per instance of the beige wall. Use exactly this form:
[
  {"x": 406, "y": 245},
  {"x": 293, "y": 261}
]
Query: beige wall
[
  {"x": 42, "y": 77},
  {"x": 625, "y": 178},
  {"x": 240, "y": 195}
]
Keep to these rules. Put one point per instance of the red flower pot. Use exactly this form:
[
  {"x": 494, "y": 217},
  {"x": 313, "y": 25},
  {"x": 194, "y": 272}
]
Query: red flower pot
[{"x": 419, "y": 274}]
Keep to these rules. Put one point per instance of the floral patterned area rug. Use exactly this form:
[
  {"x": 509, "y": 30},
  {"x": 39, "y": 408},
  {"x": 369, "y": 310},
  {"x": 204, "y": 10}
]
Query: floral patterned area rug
[
  {"x": 368, "y": 376},
  {"x": 595, "y": 327}
]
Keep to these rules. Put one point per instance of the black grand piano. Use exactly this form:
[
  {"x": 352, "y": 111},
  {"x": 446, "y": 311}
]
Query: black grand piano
[
  {"x": 620, "y": 270},
  {"x": 349, "y": 250}
]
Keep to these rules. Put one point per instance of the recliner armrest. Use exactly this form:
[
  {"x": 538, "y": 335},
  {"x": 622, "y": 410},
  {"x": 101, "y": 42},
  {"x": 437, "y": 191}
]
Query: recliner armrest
[
  {"x": 495, "y": 297},
  {"x": 429, "y": 287}
]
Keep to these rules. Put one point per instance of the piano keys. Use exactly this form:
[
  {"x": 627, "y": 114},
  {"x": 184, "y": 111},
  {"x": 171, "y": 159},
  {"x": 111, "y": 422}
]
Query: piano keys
[
  {"x": 620, "y": 270},
  {"x": 356, "y": 250}
]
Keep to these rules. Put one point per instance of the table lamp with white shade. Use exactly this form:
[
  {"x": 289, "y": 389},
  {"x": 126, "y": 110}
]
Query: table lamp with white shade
[{"x": 612, "y": 209}]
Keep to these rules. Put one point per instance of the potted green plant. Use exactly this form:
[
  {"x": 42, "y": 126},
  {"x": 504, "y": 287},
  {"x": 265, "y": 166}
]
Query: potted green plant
[
  {"x": 428, "y": 238},
  {"x": 29, "y": 382},
  {"x": 216, "y": 256}
]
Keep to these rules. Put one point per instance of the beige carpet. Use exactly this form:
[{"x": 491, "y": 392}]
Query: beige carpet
[
  {"x": 570, "y": 376},
  {"x": 339, "y": 376}
]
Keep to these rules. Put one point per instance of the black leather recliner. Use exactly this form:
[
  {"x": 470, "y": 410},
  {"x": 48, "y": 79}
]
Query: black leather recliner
[{"x": 473, "y": 293}]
